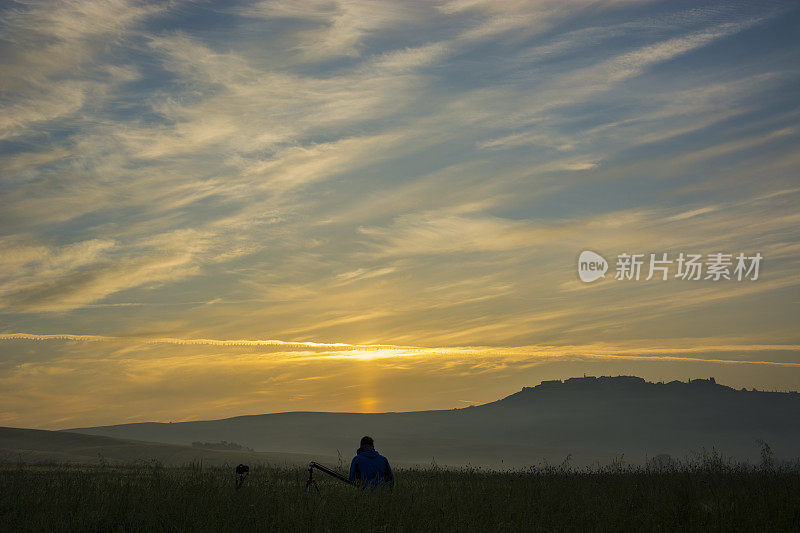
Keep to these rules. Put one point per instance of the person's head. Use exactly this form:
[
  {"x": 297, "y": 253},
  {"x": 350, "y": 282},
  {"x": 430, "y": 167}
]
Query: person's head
[{"x": 367, "y": 441}]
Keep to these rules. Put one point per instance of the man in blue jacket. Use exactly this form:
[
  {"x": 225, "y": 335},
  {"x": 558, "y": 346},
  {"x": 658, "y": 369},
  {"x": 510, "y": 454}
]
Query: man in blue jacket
[{"x": 369, "y": 468}]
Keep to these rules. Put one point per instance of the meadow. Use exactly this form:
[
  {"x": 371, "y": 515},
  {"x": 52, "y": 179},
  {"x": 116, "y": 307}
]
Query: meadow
[{"x": 707, "y": 493}]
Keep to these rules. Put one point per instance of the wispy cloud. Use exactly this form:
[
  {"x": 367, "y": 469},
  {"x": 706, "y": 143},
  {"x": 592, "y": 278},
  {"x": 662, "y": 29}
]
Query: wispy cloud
[
  {"x": 168, "y": 340},
  {"x": 63, "y": 43}
]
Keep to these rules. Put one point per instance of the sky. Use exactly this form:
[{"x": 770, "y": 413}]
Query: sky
[{"x": 216, "y": 209}]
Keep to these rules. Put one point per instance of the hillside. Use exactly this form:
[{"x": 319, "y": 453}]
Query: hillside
[
  {"x": 38, "y": 446},
  {"x": 591, "y": 419}
]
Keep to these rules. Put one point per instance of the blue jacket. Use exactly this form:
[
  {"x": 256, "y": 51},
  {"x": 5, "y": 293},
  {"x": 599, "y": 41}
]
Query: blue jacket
[{"x": 369, "y": 468}]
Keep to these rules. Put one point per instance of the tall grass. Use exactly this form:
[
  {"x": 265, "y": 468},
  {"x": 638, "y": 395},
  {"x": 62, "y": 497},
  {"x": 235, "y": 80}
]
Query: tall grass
[{"x": 706, "y": 493}]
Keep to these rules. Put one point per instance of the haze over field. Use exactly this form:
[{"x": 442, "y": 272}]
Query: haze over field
[{"x": 214, "y": 209}]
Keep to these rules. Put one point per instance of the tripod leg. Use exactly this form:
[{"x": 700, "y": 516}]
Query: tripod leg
[{"x": 310, "y": 482}]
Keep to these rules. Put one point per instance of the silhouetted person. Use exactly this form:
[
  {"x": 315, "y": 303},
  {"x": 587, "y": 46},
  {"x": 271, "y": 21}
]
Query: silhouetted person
[{"x": 369, "y": 468}]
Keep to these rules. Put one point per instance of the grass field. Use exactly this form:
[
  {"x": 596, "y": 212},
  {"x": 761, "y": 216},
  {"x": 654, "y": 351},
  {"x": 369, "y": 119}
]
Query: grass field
[{"x": 704, "y": 494}]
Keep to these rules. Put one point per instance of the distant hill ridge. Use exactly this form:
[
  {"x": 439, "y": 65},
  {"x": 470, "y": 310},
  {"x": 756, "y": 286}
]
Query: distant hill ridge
[
  {"x": 590, "y": 418},
  {"x": 40, "y": 446},
  {"x": 637, "y": 383}
]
